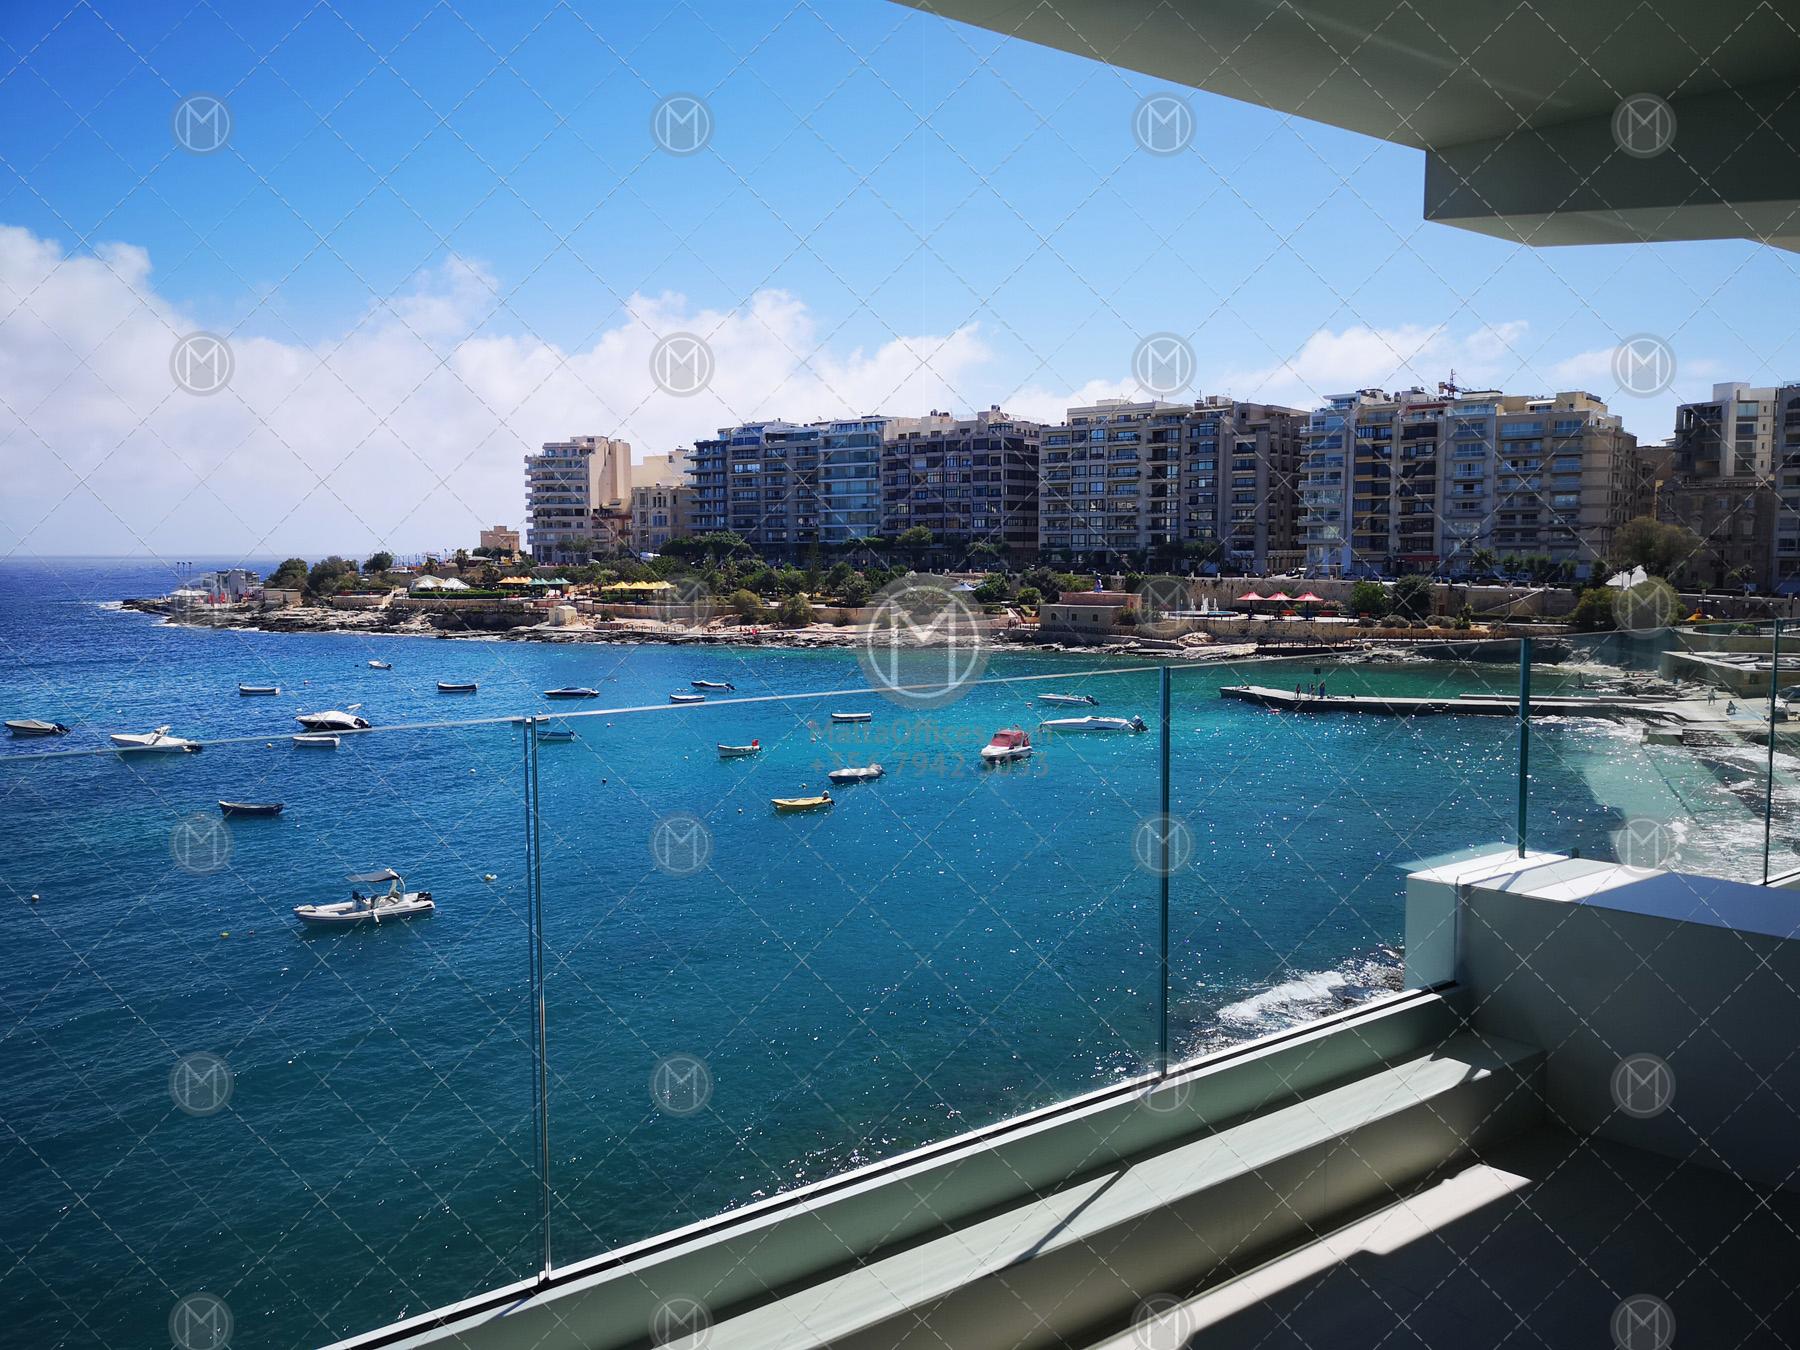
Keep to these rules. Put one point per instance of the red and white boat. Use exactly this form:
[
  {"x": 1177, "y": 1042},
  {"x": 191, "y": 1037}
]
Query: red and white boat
[{"x": 1008, "y": 744}]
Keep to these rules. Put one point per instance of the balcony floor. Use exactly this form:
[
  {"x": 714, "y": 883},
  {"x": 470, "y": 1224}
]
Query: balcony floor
[{"x": 1535, "y": 1246}]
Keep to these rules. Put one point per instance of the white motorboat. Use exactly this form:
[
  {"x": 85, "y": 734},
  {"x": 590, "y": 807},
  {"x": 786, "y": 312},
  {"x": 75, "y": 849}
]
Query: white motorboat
[
  {"x": 555, "y": 735},
  {"x": 572, "y": 691},
  {"x": 853, "y": 717},
  {"x": 1008, "y": 744},
  {"x": 739, "y": 751},
  {"x": 713, "y": 684},
  {"x": 457, "y": 686},
  {"x": 381, "y": 665},
  {"x": 315, "y": 740},
  {"x": 158, "y": 741},
  {"x": 248, "y": 689},
  {"x": 1070, "y": 700},
  {"x": 687, "y": 698},
  {"x": 856, "y": 775},
  {"x": 396, "y": 903},
  {"x": 332, "y": 720},
  {"x": 1132, "y": 724},
  {"x": 32, "y": 726}
]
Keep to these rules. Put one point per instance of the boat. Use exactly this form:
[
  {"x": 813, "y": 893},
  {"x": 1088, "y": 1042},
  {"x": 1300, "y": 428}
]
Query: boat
[
  {"x": 456, "y": 687},
  {"x": 315, "y": 740},
  {"x": 555, "y": 736},
  {"x": 251, "y": 808},
  {"x": 739, "y": 751},
  {"x": 333, "y": 720},
  {"x": 381, "y": 665},
  {"x": 32, "y": 726},
  {"x": 714, "y": 684},
  {"x": 1133, "y": 724},
  {"x": 864, "y": 774},
  {"x": 853, "y": 717},
  {"x": 396, "y": 903},
  {"x": 817, "y": 803},
  {"x": 1008, "y": 744},
  {"x": 1070, "y": 700},
  {"x": 687, "y": 698},
  {"x": 159, "y": 741},
  {"x": 572, "y": 691},
  {"x": 248, "y": 689}
]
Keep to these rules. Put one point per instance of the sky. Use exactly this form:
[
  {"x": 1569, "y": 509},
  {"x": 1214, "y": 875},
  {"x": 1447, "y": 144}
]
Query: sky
[{"x": 439, "y": 236}]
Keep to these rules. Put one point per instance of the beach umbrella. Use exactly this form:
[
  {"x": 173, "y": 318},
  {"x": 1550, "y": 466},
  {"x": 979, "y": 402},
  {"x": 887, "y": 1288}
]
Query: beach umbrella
[
  {"x": 1279, "y": 595},
  {"x": 1309, "y": 599},
  {"x": 1249, "y": 595}
]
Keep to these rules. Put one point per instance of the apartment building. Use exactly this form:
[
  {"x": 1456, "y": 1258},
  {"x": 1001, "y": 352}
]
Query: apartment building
[
  {"x": 760, "y": 480},
  {"x": 666, "y": 470},
  {"x": 660, "y": 512},
  {"x": 574, "y": 490},
  {"x": 1416, "y": 481},
  {"x": 968, "y": 480},
  {"x": 1734, "y": 479},
  {"x": 1123, "y": 478},
  {"x": 850, "y": 454},
  {"x": 500, "y": 539}
]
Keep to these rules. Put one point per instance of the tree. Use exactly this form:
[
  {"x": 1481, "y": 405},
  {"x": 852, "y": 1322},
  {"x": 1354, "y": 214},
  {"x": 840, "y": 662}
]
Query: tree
[
  {"x": 1595, "y": 611},
  {"x": 1412, "y": 596},
  {"x": 329, "y": 575},
  {"x": 917, "y": 542},
  {"x": 1028, "y": 598},
  {"x": 794, "y": 611},
  {"x": 747, "y": 605},
  {"x": 290, "y": 576},
  {"x": 1369, "y": 597},
  {"x": 378, "y": 562},
  {"x": 1658, "y": 548},
  {"x": 993, "y": 589},
  {"x": 856, "y": 591}
]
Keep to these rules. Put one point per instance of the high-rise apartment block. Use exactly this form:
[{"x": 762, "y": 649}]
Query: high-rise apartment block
[
  {"x": 968, "y": 480},
  {"x": 1734, "y": 479},
  {"x": 574, "y": 489}
]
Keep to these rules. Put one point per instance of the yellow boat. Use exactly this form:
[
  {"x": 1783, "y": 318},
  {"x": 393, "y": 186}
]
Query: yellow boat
[{"x": 817, "y": 803}]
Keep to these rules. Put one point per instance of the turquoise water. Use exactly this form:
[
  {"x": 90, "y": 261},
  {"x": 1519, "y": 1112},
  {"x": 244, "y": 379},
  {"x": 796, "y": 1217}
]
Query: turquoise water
[{"x": 945, "y": 948}]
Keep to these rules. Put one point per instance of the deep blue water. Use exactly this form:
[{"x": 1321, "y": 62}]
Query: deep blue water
[{"x": 945, "y": 948}]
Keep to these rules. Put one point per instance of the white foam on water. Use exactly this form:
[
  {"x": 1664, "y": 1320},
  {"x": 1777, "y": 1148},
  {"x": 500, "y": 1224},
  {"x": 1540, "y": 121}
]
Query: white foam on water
[{"x": 1292, "y": 999}]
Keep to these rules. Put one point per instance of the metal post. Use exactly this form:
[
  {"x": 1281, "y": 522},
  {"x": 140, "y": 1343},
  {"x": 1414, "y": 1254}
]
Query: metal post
[
  {"x": 1524, "y": 735},
  {"x": 1167, "y": 825},
  {"x": 534, "y": 905},
  {"x": 1769, "y": 793}
]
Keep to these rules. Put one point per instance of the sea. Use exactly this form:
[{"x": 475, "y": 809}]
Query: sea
[{"x": 321, "y": 1132}]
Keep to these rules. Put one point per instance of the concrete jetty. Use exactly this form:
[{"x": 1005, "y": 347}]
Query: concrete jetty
[{"x": 1480, "y": 705}]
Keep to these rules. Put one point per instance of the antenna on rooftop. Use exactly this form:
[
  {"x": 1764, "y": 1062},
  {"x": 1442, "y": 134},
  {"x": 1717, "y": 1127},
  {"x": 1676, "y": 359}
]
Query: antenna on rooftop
[{"x": 1450, "y": 388}]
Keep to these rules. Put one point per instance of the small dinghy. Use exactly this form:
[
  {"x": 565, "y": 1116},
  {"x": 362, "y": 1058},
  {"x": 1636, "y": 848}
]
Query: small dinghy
[
  {"x": 853, "y": 717},
  {"x": 1070, "y": 700},
  {"x": 572, "y": 691},
  {"x": 687, "y": 698},
  {"x": 333, "y": 720},
  {"x": 381, "y": 665},
  {"x": 456, "y": 687},
  {"x": 1133, "y": 724},
  {"x": 555, "y": 736},
  {"x": 790, "y": 804},
  {"x": 739, "y": 751},
  {"x": 396, "y": 903},
  {"x": 713, "y": 684},
  {"x": 315, "y": 740},
  {"x": 1008, "y": 744},
  {"x": 158, "y": 741},
  {"x": 856, "y": 775},
  {"x": 251, "y": 808},
  {"x": 31, "y": 726},
  {"x": 247, "y": 690}
]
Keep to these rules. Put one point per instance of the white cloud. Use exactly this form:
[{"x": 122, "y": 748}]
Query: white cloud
[{"x": 406, "y": 431}]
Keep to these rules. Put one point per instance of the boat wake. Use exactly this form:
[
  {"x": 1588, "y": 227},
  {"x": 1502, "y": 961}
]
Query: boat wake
[{"x": 1304, "y": 997}]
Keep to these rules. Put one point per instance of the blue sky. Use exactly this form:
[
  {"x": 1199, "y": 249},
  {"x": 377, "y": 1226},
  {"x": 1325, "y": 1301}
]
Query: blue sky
[{"x": 891, "y": 177}]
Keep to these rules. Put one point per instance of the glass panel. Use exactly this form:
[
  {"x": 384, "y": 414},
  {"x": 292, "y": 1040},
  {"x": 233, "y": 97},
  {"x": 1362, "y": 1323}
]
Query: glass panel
[
  {"x": 325, "y": 1128},
  {"x": 744, "y": 999}
]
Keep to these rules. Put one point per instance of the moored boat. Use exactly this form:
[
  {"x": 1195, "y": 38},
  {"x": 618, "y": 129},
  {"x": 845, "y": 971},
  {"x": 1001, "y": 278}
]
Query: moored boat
[
  {"x": 739, "y": 751},
  {"x": 456, "y": 686},
  {"x": 32, "y": 726},
  {"x": 852, "y": 717},
  {"x": 853, "y": 774},
  {"x": 396, "y": 903},
  {"x": 712, "y": 684},
  {"x": 1132, "y": 724},
  {"x": 687, "y": 698},
  {"x": 381, "y": 665},
  {"x": 790, "y": 804},
  {"x": 1008, "y": 744},
  {"x": 554, "y": 735},
  {"x": 251, "y": 808},
  {"x": 246, "y": 690},
  {"x": 572, "y": 691},
  {"x": 158, "y": 741},
  {"x": 1070, "y": 700},
  {"x": 315, "y": 740},
  {"x": 333, "y": 720}
]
